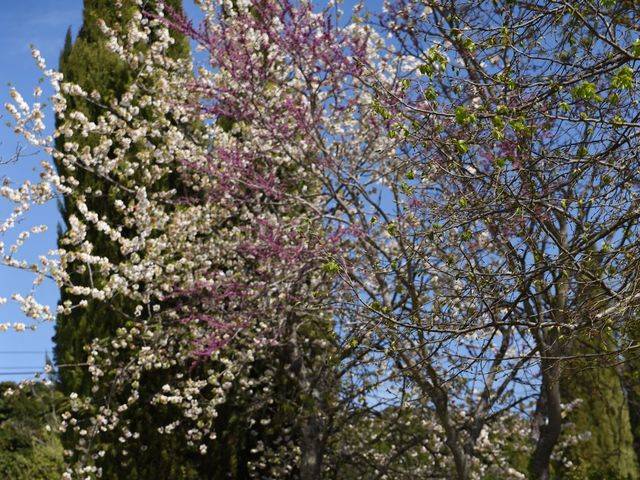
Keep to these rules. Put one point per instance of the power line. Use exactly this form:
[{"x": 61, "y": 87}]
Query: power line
[
  {"x": 21, "y": 352},
  {"x": 20, "y": 368},
  {"x": 20, "y": 373}
]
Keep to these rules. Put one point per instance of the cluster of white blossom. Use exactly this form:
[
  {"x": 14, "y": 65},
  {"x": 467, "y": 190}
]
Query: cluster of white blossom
[
  {"x": 285, "y": 185},
  {"x": 223, "y": 266}
]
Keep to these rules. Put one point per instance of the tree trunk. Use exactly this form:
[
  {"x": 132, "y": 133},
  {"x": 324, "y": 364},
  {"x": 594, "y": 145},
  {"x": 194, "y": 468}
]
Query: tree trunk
[
  {"x": 312, "y": 449},
  {"x": 549, "y": 429}
]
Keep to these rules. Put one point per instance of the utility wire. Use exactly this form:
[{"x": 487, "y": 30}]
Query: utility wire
[
  {"x": 20, "y": 373},
  {"x": 11, "y": 367},
  {"x": 21, "y": 352}
]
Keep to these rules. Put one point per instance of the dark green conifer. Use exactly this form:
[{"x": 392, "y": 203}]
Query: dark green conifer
[
  {"x": 28, "y": 450},
  {"x": 631, "y": 378},
  {"x": 89, "y": 63},
  {"x": 601, "y": 417}
]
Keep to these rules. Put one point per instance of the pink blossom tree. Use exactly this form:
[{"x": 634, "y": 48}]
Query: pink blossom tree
[{"x": 399, "y": 243}]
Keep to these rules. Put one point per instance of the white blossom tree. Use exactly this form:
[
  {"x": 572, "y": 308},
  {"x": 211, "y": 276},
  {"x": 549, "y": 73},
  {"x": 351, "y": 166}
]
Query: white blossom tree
[{"x": 455, "y": 208}]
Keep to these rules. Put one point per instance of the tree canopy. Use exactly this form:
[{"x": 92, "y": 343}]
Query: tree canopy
[{"x": 393, "y": 245}]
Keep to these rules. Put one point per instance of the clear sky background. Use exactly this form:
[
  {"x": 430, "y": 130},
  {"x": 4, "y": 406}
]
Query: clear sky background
[{"x": 42, "y": 23}]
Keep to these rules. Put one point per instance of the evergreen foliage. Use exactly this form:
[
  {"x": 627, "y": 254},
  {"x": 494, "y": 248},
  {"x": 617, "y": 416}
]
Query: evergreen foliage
[
  {"x": 600, "y": 421},
  {"x": 89, "y": 63},
  {"x": 27, "y": 450},
  {"x": 598, "y": 433},
  {"x": 631, "y": 382}
]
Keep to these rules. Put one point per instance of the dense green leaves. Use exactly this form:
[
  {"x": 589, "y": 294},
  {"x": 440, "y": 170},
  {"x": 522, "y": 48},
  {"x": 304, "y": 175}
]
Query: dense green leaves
[
  {"x": 88, "y": 62},
  {"x": 29, "y": 446},
  {"x": 478, "y": 181}
]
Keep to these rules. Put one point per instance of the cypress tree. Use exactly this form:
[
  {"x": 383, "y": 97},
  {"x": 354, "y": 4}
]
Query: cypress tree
[
  {"x": 631, "y": 379},
  {"x": 89, "y": 63},
  {"x": 601, "y": 419},
  {"x": 601, "y": 416}
]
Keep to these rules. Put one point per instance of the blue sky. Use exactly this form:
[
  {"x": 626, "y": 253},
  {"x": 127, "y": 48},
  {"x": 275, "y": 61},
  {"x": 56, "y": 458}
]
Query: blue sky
[{"x": 42, "y": 23}]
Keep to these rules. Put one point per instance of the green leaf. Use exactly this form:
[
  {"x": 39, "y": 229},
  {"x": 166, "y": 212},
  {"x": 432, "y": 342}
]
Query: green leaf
[
  {"x": 582, "y": 152},
  {"x": 463, "y": 117},
  {"x": 461, "y": 146},
  {"x": 430, "y": 93},
  {"x": 586, "y": 91},
  {"x": 380, "y": 110},
  {"x": 519, "y": 127},
  {"x": 468, "y": 44},
  {"x": 426, "y": 69},
  {"x": 376, "y": 306},
  {"x": 623, "y": 79},
  {"x": 331, "y": 267},
  {"x": 436, "y": 57}
]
